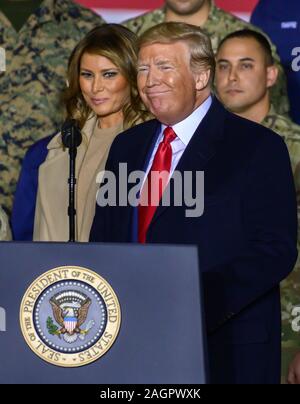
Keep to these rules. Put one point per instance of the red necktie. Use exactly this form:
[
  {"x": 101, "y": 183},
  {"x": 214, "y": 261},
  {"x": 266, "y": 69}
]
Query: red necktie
[{"x": 155, "y": 183}]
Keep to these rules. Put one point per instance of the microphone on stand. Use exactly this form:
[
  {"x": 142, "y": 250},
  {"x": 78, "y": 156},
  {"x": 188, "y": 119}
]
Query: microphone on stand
[
  {"x": 69, "y": 131},
  {"x": 71, "y": 139}
]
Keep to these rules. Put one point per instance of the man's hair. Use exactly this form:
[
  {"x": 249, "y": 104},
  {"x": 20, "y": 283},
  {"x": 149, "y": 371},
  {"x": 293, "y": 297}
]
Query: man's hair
[
  {"x": 258, "y": 37},
  {"x": 202, "y": 55}
]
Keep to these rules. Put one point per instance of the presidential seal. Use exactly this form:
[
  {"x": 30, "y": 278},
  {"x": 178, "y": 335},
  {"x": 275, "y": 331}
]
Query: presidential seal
[{"x": 70, "y": 316}]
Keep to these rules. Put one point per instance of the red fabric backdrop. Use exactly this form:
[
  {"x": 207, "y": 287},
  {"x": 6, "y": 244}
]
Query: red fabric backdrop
[
  {"x": 230, "y": 5},
  {"x": 115, "y": 9}
]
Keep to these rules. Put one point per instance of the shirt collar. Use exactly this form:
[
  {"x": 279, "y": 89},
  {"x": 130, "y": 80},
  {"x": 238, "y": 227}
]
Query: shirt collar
[{"x": 186, "y": 128}]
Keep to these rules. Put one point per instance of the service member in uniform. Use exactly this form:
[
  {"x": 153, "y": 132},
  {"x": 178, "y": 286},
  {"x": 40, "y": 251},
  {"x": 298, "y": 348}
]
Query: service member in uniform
[{"x": 244, "y": 75}]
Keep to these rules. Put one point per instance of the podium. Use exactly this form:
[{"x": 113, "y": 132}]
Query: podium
[{"x": 159, "y": 331}]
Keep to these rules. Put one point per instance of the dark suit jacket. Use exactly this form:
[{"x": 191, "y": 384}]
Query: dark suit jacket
[{"x": 246, "y": 237}]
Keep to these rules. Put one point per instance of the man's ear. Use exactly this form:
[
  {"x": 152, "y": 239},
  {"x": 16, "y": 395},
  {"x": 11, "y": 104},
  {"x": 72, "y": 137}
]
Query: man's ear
[
  {"x": 272, "y": 74},
  {"x": 202, "y": 79}
]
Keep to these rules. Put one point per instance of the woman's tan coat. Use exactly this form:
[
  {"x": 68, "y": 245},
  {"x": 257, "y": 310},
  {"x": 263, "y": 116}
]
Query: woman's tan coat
[{"x": 51, "y": 217}]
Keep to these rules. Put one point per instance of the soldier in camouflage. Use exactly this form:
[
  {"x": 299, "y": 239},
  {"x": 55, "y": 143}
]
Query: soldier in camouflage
[
  {"x": 36, "y": 60},
  {"x": 5, "y": 233},
  {"x": 290, "y": 287},
  {"x": 245, "y": 73},
  {"x": 217, "y": 24}
]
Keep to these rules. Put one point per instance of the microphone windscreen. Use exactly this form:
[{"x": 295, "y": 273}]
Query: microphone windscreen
[{"x": 70, "y": 129}]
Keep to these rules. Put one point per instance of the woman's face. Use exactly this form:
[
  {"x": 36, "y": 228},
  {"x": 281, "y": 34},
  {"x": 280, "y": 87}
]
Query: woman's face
[{"x": 104, "y": 88}]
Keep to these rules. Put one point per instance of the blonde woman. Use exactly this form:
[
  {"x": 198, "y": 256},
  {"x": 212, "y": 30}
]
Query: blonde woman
[{"x": 102, "y": 96}]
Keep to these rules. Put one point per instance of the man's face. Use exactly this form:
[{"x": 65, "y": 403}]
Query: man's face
[
  {"x": 166, "y": 83},
  {"x": 242, "y": 75},
  {"x": 185, "y": 7}
]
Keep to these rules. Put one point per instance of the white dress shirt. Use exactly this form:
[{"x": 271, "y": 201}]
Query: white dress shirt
[{"x": 184, "y": 131}]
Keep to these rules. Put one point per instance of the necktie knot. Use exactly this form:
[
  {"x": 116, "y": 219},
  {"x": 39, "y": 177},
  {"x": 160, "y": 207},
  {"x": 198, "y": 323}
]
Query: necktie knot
[{"x": 169, "y": 135}]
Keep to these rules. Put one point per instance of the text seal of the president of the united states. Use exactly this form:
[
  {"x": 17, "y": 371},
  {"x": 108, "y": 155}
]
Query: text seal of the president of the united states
[{"x": 70, "y": 316}]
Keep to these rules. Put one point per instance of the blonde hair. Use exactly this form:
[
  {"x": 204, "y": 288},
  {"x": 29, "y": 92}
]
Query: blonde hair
[
  {"x": 202, "y": 55},
  {"x": 118, "y": 44}
]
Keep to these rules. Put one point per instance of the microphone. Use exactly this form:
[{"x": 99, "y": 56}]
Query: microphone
[
  {"x": 71, "y": 139},
  {"x": 70, "y": 134}
]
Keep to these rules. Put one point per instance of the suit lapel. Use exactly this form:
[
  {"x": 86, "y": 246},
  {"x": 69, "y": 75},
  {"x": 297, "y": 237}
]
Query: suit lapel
[
  {"x": 139, "y": 159},
  {"x": 202, "y": 146},
  {"x": 143, "y": 147}
]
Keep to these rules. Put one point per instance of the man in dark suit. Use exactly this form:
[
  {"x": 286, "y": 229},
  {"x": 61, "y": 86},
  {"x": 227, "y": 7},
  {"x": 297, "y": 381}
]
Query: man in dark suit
[{"x": 246, "y": 235}]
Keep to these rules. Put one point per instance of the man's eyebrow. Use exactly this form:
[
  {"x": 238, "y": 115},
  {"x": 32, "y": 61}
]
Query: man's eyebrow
[
  {"x": 162, "y": 61},
  {"x": 222, "y": 61},
  {"x": 247, "y": 59},
  {"x": 159, "y": 62}
]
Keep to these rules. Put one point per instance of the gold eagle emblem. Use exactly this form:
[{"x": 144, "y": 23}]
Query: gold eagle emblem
[{"x": 70, "y": 311}]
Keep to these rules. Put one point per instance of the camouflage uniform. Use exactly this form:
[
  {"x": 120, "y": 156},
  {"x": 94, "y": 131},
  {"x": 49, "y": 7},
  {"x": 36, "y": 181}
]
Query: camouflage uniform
[
  {"x": 218, "y": 25},
  {"x": 4, "y": 227},
  {"x": 290, "y": 287},
  {"x": 30, "y": 88}
]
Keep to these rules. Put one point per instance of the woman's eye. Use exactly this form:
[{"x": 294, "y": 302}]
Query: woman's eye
[
  {"x": 110, "y": 74},
  {"x": 86, "y": 75}
]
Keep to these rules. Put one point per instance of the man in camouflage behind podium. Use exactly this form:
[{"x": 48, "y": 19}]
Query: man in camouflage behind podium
[
  {"x": 244, "y": 75},
  {"x": 36, "y": 39}
]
